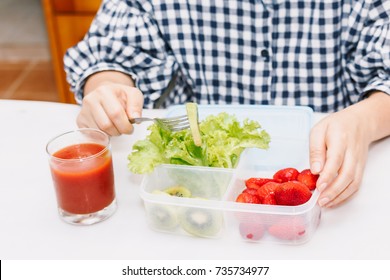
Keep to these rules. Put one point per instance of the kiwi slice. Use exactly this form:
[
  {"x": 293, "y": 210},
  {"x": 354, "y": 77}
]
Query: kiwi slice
[
  {"x": 200, "y": 222},
  {"x": 192, "y": 113},
  {"x": 179, "y": 191},
  {"x": 162, "y": 217},
  {"x": 159, "y": 192}
]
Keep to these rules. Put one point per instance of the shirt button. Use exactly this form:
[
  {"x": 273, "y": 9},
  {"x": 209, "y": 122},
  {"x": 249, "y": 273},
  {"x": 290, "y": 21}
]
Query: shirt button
[{"x": 265, "y": 54}]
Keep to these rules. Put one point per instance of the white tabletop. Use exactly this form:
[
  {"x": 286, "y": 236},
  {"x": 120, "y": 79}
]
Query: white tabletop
[{"x": 30, "y": 227}]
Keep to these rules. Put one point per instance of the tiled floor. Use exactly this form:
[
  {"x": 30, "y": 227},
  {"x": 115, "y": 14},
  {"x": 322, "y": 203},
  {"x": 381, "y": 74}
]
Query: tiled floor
[
  {"x": 27, "y": 80},
  {"x": 26, "y": 71}
]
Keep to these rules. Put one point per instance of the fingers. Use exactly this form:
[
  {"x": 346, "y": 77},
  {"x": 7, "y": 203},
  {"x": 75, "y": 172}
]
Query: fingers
[
  {"x": 135, "y": 103},
  {"x": 335, "y": 153},
  {"x": 349, "y": 177},
  {"x": 344, "y": 195},
  {"x": 337, "y": 189},
  {"x": 338, "y": 152},
  {"x": 326, "y": 155},
  {"x": 333, "y": 175},
  {"x": 108, "y": 108},
  {"x": 93, "y": 114},
  {"x": 113, "y": 117},
  {"x": 317, "y": 149}
]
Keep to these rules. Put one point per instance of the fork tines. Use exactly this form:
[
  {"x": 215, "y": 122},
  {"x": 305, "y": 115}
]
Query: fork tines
[{"x": 176, "y": 123}]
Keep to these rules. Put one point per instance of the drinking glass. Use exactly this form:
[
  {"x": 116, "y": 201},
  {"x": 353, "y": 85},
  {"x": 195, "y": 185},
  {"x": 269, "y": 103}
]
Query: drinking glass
[{"x": 83, "y": 177}]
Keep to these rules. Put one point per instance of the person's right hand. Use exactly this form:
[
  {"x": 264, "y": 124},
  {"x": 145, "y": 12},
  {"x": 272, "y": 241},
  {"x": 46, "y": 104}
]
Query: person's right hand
[{"x": 109, "y": 106}]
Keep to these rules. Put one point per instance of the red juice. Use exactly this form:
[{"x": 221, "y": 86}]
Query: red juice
[{"x": 83, "y": 177}]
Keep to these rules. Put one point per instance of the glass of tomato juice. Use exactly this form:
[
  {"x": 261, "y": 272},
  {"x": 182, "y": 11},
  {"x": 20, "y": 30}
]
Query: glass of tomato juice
[{"x": 82, "y": 171}]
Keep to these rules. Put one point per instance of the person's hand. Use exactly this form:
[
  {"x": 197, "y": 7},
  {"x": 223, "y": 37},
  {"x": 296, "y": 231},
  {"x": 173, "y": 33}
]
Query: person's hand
[
  {"x": 338, "y": 152},
  {"x": 109, "y": 106},
  {"x": 339, "y": 146}
]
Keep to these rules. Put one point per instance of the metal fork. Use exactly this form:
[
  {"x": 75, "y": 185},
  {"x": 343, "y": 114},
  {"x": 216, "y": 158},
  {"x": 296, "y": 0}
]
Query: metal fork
[{"x": 173, "y": 123}]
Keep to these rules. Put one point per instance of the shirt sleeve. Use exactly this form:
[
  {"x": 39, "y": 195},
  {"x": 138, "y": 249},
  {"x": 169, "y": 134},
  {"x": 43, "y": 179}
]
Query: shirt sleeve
[
  {"x": 369, "y": 62},
  {"x": 122, "y": 37}
]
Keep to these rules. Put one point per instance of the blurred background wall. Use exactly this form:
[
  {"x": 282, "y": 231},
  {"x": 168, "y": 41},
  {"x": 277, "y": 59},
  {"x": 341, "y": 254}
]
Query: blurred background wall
[
  {"x": 22, "y": 30},
  {"x": 26, "y": 70}
]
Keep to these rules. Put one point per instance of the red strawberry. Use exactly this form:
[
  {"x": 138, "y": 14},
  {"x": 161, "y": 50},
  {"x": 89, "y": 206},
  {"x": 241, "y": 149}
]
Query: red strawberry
[
  {"x": 250, "y": 191},
  {"x": 251, "y": 231},
  {"x": 266, "y": 190},
  {"x": 269, "y": 199},
  {"x": 255, "y": 183},
  {"x": 288, "y": 228},
  {"x": 308, "y": 178},
  {"x": 286, "y": 174},
  {"x": 292, "y": 193},
  {"x": 248, "y": 198}
]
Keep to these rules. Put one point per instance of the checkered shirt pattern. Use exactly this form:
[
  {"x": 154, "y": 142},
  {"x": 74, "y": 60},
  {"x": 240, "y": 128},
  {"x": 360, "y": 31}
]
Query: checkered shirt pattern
[{"x": 324, "y": 54}]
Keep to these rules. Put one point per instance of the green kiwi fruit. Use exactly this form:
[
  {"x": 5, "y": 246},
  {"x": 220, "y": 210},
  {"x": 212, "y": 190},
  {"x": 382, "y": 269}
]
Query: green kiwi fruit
[
  {"x": 162, "y": 217},
  {"x": 159, "y": 192},
  {"x": 201, "y": 222},
  {"x": 179, "y": 191}
]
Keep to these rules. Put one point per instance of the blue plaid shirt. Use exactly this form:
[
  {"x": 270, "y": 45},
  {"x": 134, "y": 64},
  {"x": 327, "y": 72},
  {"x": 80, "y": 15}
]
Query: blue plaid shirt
[{"x": 325, "y": 54}]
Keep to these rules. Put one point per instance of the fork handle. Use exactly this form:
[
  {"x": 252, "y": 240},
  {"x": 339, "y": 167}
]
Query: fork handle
[{"x": 139, "y": 120}]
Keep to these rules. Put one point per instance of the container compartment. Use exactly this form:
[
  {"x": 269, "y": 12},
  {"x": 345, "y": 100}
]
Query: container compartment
[
  {"x": 199, "y": 214},
  {"x": 270, "y": 223}
]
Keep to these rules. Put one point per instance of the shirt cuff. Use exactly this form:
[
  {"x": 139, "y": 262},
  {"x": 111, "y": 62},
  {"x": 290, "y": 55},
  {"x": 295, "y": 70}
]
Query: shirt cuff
[
  {"x": 377, "y": 84},
  {"x": 78, "y": 88}
]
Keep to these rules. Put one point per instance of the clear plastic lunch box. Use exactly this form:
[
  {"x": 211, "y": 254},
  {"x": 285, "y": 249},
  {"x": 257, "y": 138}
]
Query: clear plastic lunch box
[{"x": 211, "y": 211}]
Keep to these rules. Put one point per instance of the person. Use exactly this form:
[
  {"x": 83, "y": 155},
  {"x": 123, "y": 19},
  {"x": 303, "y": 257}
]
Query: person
[{"x": 333, "y": 56}]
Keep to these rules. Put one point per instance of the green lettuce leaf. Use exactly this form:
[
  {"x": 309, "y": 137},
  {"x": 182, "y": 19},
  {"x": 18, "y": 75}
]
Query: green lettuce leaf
[{"x": 224, "y": 138}]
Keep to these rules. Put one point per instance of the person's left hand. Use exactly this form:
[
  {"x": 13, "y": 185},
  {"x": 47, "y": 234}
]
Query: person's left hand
[{"x": 338, "y": 151}]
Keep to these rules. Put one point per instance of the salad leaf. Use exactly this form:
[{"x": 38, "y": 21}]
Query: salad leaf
[{"x": 224, "y": 138}]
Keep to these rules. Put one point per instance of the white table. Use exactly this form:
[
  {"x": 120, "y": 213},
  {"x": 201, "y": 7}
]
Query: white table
[{"x": 30, "y": 227}]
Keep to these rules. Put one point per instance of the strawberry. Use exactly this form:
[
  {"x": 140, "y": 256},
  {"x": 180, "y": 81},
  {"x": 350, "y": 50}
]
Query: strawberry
[
  {"x": 248, "y": 198},
  {"x": 308, "y": 178},
  {"x": 255, "y": 183},
  {"x": 266, "y": 192},
  {"x": 286, "y": 174},
  {"x": 292, "y": 193},
  {"x": 250, "y": 191},
  {"x": 288, "y": 228},
  {"x": 269, "y": 199},
  {"x": 251, "y": 231}
]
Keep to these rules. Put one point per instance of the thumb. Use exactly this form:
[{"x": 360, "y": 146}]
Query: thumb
[
  {"x": 317, "y": 149},
  {"x": 135, "y": 102}
]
